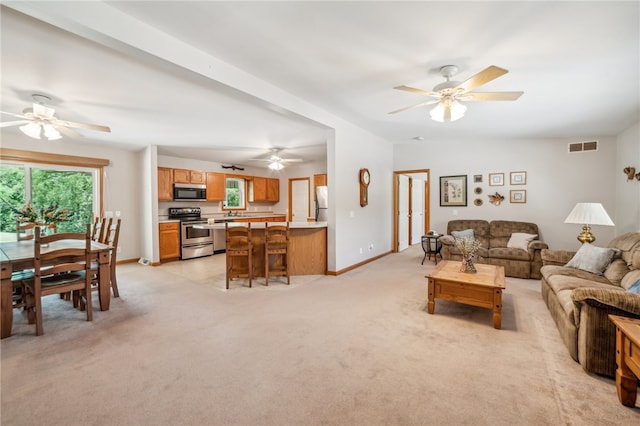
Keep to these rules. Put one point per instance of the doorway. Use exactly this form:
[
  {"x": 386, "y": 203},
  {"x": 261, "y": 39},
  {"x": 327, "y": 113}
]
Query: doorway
[
  {"x": 411, "y": 207},
  {"x": 299, "y": 200}
]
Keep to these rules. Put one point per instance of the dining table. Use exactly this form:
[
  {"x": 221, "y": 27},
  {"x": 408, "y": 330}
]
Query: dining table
[{"x": 16, "y": 256}]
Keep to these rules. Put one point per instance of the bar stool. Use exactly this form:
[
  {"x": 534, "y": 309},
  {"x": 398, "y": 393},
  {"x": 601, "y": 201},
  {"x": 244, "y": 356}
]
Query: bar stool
[
  {"x": 239, "y": 245},
  {"x": 276, "y": 243}
]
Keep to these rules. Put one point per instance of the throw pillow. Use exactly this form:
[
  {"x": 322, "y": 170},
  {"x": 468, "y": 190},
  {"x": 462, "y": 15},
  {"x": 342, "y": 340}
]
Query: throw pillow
[
  {"x": 520, "y": 240},
  {"x": 467, "y": 233},
  {"x": 592, "y": 259},
  {"x": 635, "y": 287}
]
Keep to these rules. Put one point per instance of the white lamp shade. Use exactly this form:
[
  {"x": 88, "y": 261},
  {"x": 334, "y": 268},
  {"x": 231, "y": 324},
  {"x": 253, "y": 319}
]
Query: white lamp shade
[
  {"x": 589, "y": 214},
  {"x": 456, "y": 111},
  {"x": 276, "y": 165},
  {"x": 32, "y": 130},
  {"x": 50, "y": 132}
]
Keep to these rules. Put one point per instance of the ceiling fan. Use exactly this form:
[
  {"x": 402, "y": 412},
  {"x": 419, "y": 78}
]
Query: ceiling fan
[
  {"x": 276, "y": 162},
  {"x": 39, "y": 121},
  {"x": 449, "y": 94}
]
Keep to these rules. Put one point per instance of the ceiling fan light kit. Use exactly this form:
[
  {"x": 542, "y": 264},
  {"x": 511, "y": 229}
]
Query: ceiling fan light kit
[
  {"x": 39, "y": 121},
  {"x": 276, "y": 165},
  {"x": 448, "y": 94}
]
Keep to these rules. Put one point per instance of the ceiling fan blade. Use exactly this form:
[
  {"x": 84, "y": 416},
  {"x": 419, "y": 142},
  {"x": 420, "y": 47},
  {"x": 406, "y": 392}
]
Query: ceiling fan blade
[
  {"x": 67, "y": 131},
  {"x": 14, "y": 115},
  {"x": 77, "y": 125},
  {"x": 418, "y": 91},
  {"x": 483, "y": 77},
  {"x": 14, "y": 123},
  {"x": 490, "y": 96},
  {"x": 435, "y": 101},
  {"x": 291, "y": 160}
]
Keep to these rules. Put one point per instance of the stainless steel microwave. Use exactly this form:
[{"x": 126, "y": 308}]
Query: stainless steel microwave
[{"x": 189, "y": 192}]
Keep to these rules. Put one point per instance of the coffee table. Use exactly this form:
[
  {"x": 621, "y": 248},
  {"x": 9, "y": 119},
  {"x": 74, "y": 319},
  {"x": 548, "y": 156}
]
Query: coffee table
[
  {"x": 627, "y": 358},
  {"x": 483, "y": 288}
]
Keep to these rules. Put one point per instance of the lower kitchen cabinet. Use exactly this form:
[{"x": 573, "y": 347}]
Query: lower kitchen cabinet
[{"x": 169, "y": 238}]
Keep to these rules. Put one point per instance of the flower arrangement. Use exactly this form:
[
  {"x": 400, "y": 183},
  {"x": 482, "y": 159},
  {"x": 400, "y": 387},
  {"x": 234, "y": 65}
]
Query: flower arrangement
[
  {"x": 468, "y": 247},
  {"x": 46, "y": 216}
]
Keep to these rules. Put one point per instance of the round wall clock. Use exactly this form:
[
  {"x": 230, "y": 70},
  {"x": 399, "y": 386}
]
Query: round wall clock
[{"x": 365, "y": 179}]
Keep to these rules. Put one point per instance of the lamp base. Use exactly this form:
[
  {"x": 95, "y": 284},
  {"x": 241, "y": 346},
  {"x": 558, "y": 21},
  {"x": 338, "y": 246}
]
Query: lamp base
[{"x": 586, "y": 236}]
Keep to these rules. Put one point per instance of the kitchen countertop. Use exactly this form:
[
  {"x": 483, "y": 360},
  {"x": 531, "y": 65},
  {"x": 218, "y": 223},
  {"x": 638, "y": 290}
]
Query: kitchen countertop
[
  {"x": 222, "y": 219},
  {"x": 260, "y": 225}
]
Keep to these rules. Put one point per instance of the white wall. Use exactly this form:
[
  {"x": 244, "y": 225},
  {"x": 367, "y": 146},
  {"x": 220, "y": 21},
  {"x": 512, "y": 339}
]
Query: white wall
[
  {"x": 122, "y": 189},
  {"x": 556, "y": 181},
  {"x": 627, "y": 218}
]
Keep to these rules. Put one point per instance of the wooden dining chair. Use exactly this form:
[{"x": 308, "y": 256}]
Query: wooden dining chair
[
  {"x": 111, "y": 237},
  {"x": 239, "y": 252},
  {"x": 59, "y": 268},
  {"x": 97, "y": 230},
  {"x": 24, "y": 232},
  {"x": 276, "y": 244}
]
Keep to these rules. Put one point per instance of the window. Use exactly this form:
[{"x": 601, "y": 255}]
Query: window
[
  {"x": 235, "y": 193},
  {"x": 73, "y": 188}
]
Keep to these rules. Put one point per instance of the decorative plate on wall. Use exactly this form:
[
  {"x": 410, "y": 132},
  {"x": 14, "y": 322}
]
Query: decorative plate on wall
[
  {"x": 477, "y": 202},
  {"x": 478, "y": 190}
]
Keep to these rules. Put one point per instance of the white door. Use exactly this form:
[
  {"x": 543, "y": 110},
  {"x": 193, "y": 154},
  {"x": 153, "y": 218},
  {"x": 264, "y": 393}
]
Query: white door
[
  {"x": 299, "y": 200},
  {"x": 417, "y": 210},
  {"x": 403, "y": 212}
]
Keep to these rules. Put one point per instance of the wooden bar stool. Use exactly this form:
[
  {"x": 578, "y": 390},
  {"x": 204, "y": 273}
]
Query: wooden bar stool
[
  {"x": 239, "y": 246},
  {"x": 276, "y": 243}
]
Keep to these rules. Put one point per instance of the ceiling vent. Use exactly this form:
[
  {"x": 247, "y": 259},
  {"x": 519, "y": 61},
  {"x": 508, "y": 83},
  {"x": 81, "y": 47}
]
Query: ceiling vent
[{"x": 583, "y": 146}]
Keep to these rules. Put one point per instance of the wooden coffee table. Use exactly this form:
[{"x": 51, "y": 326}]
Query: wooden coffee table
[
  {"x": 483, "y": 288},
  {"x": 627, "y": 358}
]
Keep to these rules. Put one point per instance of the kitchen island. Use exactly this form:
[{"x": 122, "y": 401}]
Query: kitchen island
[{"x": 307, "y": 246}]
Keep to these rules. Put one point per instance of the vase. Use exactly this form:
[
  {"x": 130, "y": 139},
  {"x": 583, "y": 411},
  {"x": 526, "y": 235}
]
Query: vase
[{"x": 467, "y": 265}]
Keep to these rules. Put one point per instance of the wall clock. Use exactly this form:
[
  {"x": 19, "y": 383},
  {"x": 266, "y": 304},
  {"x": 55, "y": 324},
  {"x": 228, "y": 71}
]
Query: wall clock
[{"x": 365, "y": 179}]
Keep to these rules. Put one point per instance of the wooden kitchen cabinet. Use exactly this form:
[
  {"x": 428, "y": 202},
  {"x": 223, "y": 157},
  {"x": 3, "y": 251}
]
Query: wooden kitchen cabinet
[
  {"x": 169, "y": 238},
  {"x": 319, "y": 180},
  {"x": 165, "y": 184},
  {"x": 264, "y": 190},
  {"x": 189, "y": 176},
  {"x": 216, "y": 186}
]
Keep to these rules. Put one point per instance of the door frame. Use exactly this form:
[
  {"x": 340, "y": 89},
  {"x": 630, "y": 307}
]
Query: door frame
[{"x": 427, "y": 203}]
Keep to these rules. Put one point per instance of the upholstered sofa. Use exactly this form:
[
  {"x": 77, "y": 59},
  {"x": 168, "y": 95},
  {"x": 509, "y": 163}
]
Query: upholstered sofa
[
  {"x": 580, "y": 300},
  {"x": 495, "y": 237}
]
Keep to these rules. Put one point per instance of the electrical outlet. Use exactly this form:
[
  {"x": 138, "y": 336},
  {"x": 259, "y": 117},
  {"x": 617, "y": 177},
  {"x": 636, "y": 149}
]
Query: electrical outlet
[
  {"x": 117, "y": 213},
  {"x": 360, "y": 250},
  {"x": 119, "y": 249}
]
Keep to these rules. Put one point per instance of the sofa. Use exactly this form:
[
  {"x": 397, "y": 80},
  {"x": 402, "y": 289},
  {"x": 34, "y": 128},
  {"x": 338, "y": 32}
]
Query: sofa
[
  {"x": 495, "y": 238},
  {"x": 580, "y": 296}
]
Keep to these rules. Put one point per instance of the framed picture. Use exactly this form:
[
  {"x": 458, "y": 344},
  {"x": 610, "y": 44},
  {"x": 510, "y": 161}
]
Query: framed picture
[
  {"x": 518, "y": 178},
  {"x": 477, "y": 178},
  {"x": 518, "y": 196},
  {"x": 453, "y": 191},
  {"x": 496, "y": 179}
]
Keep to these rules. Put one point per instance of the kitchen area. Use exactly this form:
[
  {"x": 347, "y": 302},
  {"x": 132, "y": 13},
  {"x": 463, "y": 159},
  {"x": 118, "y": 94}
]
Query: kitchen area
[{"x": 194, "y": 206}]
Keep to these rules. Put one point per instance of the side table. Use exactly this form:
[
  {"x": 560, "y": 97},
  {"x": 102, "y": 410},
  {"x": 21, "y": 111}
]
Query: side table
[
  {"x": 627, "y": 358},
  {"x": 431, "y": 247}
]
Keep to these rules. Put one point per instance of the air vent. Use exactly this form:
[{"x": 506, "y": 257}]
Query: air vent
[{"x": 583, "y": 146}]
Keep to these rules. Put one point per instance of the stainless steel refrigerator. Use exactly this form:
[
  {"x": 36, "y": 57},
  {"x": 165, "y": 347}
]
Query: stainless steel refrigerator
[{"x": 322, "y": 203}]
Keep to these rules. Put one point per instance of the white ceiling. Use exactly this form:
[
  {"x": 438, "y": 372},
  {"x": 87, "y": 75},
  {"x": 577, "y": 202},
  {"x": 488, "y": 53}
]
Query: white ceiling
[{"x": 578, "y": 64}]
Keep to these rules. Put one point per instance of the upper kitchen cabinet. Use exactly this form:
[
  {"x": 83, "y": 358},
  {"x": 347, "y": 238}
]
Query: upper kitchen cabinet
[
  {"x": 264, "y": 190},
  {"x": 319, "y": 180},
  {"x": 189, "y": 176},
  {"x": 165, "y": 184},
  {"x": 216, "y": 184}
]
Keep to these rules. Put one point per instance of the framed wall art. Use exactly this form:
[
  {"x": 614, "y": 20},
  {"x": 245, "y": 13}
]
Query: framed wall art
[
  {"x": 518, "y": 196},
  {"x": 518, "y": 178},
  {"x": 496, "y": 179},
  {"x": 453, "y": 191},
  {"x": 477, "y": 178}
]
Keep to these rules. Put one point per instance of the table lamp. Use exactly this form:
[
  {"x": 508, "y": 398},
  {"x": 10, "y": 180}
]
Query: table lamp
[{"x": 588, "y": 214}]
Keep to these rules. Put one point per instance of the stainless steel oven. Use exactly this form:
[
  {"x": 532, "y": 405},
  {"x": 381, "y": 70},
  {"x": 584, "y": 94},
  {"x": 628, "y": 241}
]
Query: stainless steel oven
[{"x": 194, "y": 242}]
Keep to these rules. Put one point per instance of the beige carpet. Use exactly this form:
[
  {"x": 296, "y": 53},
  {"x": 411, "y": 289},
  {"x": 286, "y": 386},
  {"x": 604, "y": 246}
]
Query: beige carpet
[{"x": 358, "y": 349}]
